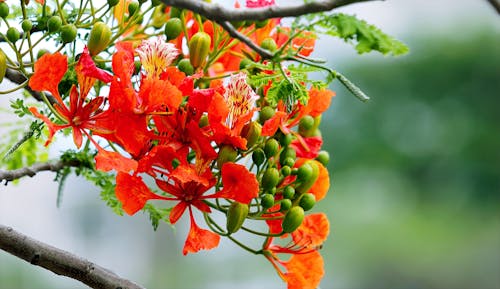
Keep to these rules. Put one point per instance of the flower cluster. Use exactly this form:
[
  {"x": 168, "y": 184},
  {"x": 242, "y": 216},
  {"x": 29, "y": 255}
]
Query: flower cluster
[{"x": 203, "y": 119}]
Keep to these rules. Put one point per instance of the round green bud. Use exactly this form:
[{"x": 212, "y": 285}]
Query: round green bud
[
  {"x": 307, "y": 182},
  {"x": 286, "y": 171},
  {"x": 227, "y": 153},
  {"x": 286, "y": 139},
  {"x": 270, "y": 178},
  {"x": 203, "y": 121},
  {"x": 4, "y": 10},
  {"x": 113, "y": 3},
  {"x": 323, "y": 157},
  {"x": 288, "y": 192},
  {"x": 306, "y": 123},
  {"x": 258, "y": 156},
  {"x": 287, "y": 153},
  {"x": 13, "y": 34},
  {"x": 251, "y": 132},
  {"x": 3, "y": 65},
  {"x": 26, "y": 25},
  {"x": 288, "y": 162},
  {"x": 173, "y": 28},
  {"x": 68, "y": 33},
  {"x": 267, "y": 201},
  {"x": 269, "y": 44},
  {"x": 304, "y": 172},
  {"x": 199, "y": 47},
  {"x": 133, "y": 7},
  {"x": 285, "y": 205},
  {"x": 266, "y": 113},
  {"x": 41, "y": 52},
  {"x": 307, "y": 201},
  {"x": 185, "y": 66},
  {"x": 54, "y": 24},
  {"x": 99, "y": 38},
  {"x": 236, "y": 215},
  {"x": 271, "y": 147},
  {"x": 293, "y": 219},
  {"x": 245, "y": 62}
]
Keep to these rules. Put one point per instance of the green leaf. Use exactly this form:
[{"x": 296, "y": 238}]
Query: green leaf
[{"x": 157, "y": 214}]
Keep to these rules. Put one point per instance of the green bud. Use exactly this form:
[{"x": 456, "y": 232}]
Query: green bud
[
  {"x": 41, "y": 52},
  {"x": 258, "y": 156},
  {"x": 203, "y": 121},
  {"x": 13, "y": 34},
  {"x": 266, "y": 113},
  {"x": 236, "y": 215},
  {"x": 199, "y": 47},
  {"x": 269, "y": 44},
  {"x": 306, "y": 124},
  {"x": 293, "y": 219},
  {"x": 304, "y": 172},
  {"x": 286, "y": 139},
  {"x": 285, "y": 205},
  {"x": 270, "y": 178},
  {"x": 227, "y": 153},
  {"x": 4, "y": 10},
  {"x": 307, "y": 182},
  {"x": 173, "y": 28},
  {"x": 288, "y": 192},
  {"x": 286, "y": 171},
  {"x": 113, "y": 3},
  {"x": 287, "y": 153},
  {"x": 185, "y": 66},
  {"x": 271, "y": 148},
  {"x": 251, "y": 132},
  {"x": 3, "y": 65},
  {"x": 54, "y": 24},
  {"x": 307, "y": 201},
  {"x": 26, "y": 25},
  {"x": 288, "y": 162},
  {"x": 245, "y": 62},
  {"x": 267, "y": 201},
  {"x": 68, "y": 33},
  {"x": 133, "y": 7},
  {"x": 323, "y": 157},
  {"x": 99, "y": 38}
]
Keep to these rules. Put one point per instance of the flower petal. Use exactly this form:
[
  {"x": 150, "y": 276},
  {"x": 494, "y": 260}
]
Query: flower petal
[{"x": 132, "y": 192}]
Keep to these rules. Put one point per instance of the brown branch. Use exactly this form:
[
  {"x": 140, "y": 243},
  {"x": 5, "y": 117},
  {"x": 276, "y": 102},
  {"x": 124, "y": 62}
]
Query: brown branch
[
  {"x": 495, "y": 4},
  {"x": 17, "y": 78},
  {"x": 60, "y": 262},
  {"x": 219, "y": 13},
  {"x": 31, "y": 171},
  {"x": 265, "y": 54}
]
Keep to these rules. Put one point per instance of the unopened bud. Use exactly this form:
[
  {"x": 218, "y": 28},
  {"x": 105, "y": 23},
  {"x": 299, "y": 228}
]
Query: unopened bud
[
  {"x": 3, "y": 65},
  {"x": 258, "y": 156},
  {"x": 236, "y": 215},
  {"x": 227, "y": 153},
  {"x": 307, "y": 174},
  {"x": 269, "y": 44},
  {"x": 293, "y": 219},
  {"x": 199, "y": 47},
  {"x": 266, "y": 113},
  {"x": 270, "y": 178},
  {"x": 271, "y": 147},
  {"x": 251, "y": 132},
  {"x": 99, "y": 38},
  {"x": 185, "y": 66},
  {"x": 307, "y": 201},
  {"x": 68, "y": 33}
]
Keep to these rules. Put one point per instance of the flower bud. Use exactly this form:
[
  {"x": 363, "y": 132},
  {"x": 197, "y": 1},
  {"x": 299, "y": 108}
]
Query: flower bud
[
  {"x": 269, "y": 44},
  {"x": 112, "y": 3},
  {"x": 267, "y": 201},
  {"x": 288, "y": 192},
  {"x": 185, "y": 66},
  {"x": 287, "y": 153},
  {"x": 4, "y": 10},
  {"x": 3, "y": 65},
  {"x": 13, "y": 34},
  {"x": 271, "y": 147},
  {"x": 26, "y": 25},
  {"x": 307, "y": 182},
  {"x": 199, "y": 47},
  {"x": 286, "y": 139},
  {"x": 307, "y": 201},
  {"x": 285, "y": 171},
  {"x": 99, "y": 38},
  {"x": 251, "y": 132},
  {"x": 245, "y": 62},
  {"x": 323, "y": 157},
  {"x": 270, "y": 178},
  {"x": 306, "y": 124},
  {"x": 54, "y": 23},
  {"x": 173, "y": 28},
  {"x": 41, "y": 52},
  {"x": 133, "y": 7},
  {"x": 236, "y": 215},
  {"x": 293, "y": 219},
  {"x": 227, "y": 153},
  {"x": 258, "y": 156},
  {"x": 266, "y": 113},
  {"x": 68, "y": 33},
  {"x": 285, "y": 205}
]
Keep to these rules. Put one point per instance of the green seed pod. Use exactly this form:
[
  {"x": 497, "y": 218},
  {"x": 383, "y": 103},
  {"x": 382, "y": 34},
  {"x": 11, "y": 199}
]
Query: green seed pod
[
  {"x": 306, "y": 124},
  {"x": 99, "y": 38},
  {"x": 288, "y": 192},
  {"x": 287, "y": 153},
  {"x": 199, "y": 47},
  {"x": 270, "y": 178},
  {"x": 306, "y": 183},
  {"x": 185, "y": 66},
  {"x": 173, "y": 28},
  {"x": 68, "y": 33},
  {"x": 113, "y": 3},
  {"x": 266, "y": 113},
  {"x": 227, "y": 153},
  {"x": 293, "y": 219},
  {"x": 267, "y": 201},
  {"x": 3, "y": 65},
  {"x": 271, "y": 148},
  {"x": 236, "y": 215},
  {"x": 269, "y": 44},
  {"x": 26, "y": 25},
  {"x": 285, "y": 205},
  {"x": 4, "y": 10},
  {"x": 13, "y": 34},
  {"x": 54, "y": 24},
  {"x": 286, "y": 171},
  {"x": 323, "y": 157},
  {"x": 251, "y": 132},
  {"x": 258, "y": 156},
  {"x": 133, "y": 7},
  {"x": 307, "y": 201}
]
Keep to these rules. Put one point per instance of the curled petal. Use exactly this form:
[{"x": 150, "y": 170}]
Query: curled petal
[
  {"x": 199, "y": 239},
  {"x": 107, "y": 161},
  {"x": 304, "y": 271},
  {"x": 239, "y": 184},
  {"x": 132, "y": 192},
  {"x": 49, "y": 71}
]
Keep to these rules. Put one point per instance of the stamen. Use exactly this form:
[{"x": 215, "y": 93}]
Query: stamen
[
  {"x": 156, "y": 55},
  {"x": 239, "y": 97}
]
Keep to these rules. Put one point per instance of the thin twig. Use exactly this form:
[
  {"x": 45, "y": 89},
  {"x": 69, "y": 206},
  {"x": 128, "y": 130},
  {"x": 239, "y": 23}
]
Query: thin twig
[
  {"x": 495, "y": 4},
  {"x": 60, "y": 262},
  {"x": 31, "y": 171}
]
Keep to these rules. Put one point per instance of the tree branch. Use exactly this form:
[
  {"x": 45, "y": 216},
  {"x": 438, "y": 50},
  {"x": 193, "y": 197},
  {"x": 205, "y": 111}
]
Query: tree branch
[
  {"x": 56, "y": 166},
  {"x": 265, "y": 54},
  {"x": 495, "y": 4},
  {"x": 17, "y": 78},
  {"x": 219, "y": 13},
  {"x": 60, "y": 261}
]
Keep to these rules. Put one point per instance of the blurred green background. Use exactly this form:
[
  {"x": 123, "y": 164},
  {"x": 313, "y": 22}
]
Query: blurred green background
[{"x": 415, "y": 196}]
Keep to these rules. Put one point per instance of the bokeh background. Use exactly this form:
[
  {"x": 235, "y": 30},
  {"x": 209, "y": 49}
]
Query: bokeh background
[{"x": 415, "y": 196}]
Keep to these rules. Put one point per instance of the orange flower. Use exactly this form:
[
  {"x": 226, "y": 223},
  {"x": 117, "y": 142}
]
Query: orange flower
[
  {"x": 304, "y": 271},
  {"x": 313, "y": 231}
]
